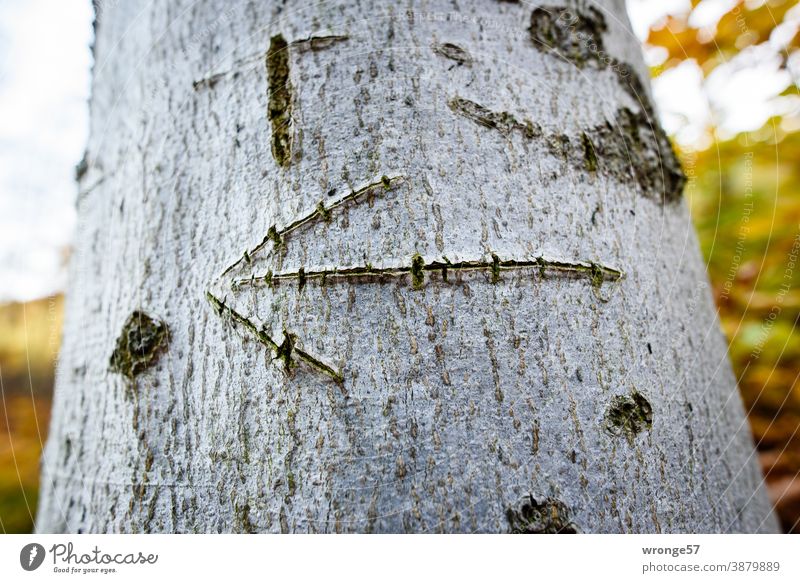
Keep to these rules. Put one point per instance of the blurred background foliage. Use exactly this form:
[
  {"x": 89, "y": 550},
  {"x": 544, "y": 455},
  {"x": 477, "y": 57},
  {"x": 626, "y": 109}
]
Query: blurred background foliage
[
  {"x": 30, "y": 334},
  {"x": 744, "y": 194}
]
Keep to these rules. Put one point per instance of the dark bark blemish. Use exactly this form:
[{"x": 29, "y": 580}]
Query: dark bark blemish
[
  {"x": 279, "y": 106},
  {"x": 141, "y": 340},
  {"x": 417, "y": 271},
  {"x": 453, "y": 52},
  {"x": 550, "y": 516},
  {"x": 495, "y": 267},
  {"x": 243, "y": 522},
  {"x": 67, "y": 449},
  {"x": 502, "y": 121},
  {"x": 82, "y": 167},
  {"x": 589, "y": 155},
  {"x": 629, "y": 415},
  {"x": 283, "y": 520},
  {"x": 318, "y": 43},
  {"x": 574, "y": 34},
  {"x": 577, "y": 36},
  {"x": 285, "y": 349},
  {"x": 633, "y": 145}
]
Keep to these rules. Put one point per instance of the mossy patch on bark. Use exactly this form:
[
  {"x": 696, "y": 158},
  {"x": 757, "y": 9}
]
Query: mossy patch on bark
[
  {"x": 644, "y": 149},
  {"x": 632, "y": 145},
  {"x": 529, "y": 516},
  {"x": 417, "y": 271},
  {"x": 502, "y": 121},
  {"x": 279, "y": 106},
  {"x": 573, "y": 34},
  {"x": 243, "y": 522},
  {"x": 629, "y": 415},
  {"x": 635, "y": 145},
  {"x": 453, "y": 52},
  {"x": 141, "y": 340}
]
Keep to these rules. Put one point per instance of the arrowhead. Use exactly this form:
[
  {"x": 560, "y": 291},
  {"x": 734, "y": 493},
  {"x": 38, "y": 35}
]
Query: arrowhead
[{"x": 241, "y": 273}]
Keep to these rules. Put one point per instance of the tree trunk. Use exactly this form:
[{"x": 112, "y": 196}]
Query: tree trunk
[{"x": 358, "y": 266}]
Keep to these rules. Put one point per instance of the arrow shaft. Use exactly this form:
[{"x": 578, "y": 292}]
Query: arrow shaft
[{"x": 596, "y": 273}]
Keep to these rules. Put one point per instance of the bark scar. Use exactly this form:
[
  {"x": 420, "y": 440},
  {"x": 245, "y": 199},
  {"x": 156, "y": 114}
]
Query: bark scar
[
  {"x": 596, "y": 274},
  {"x": 576, "y": 34},
  {"x": 632, "y": 145},
  {"x": 287, "y": 351},
  {"x": 417, "y": 271},
  {"x": 453, "y": 52},
  {"x": 280, "y": 98},
  {"x": 312, "y": 43},
  {"x": 277, "y": 236}
]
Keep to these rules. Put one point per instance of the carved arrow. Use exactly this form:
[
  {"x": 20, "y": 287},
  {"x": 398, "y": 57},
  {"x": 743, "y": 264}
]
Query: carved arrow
[{"x": 289, "y": 351}]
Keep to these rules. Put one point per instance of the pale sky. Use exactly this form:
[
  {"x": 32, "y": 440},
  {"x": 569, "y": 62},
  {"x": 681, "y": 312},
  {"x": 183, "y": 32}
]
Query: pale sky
[
  {"x": 45, "y": 65},
  {"x": 44, "y": 85}
]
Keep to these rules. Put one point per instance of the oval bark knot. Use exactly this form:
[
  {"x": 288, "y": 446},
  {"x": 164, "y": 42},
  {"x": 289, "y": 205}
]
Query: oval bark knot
[
  {"x": 550, "y": 516},
  {"x": 139, "y": 343},
  {"x": 629, "y": 415}
]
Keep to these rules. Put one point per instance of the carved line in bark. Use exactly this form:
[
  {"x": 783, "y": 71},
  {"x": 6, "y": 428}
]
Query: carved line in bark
[
  {"x": 286, "y": 351},
  {"x": 312, "y": 43},
  {"x": 280, "y": 96},
  {"x": 596, "y": 273},
  {"x": 320, "y": 213},
  {"x": 280, "y": 92}
]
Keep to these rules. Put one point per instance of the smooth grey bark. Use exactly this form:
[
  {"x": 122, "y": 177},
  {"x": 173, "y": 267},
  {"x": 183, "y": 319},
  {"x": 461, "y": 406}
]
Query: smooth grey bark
[{"x": 367, "y": 266}]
